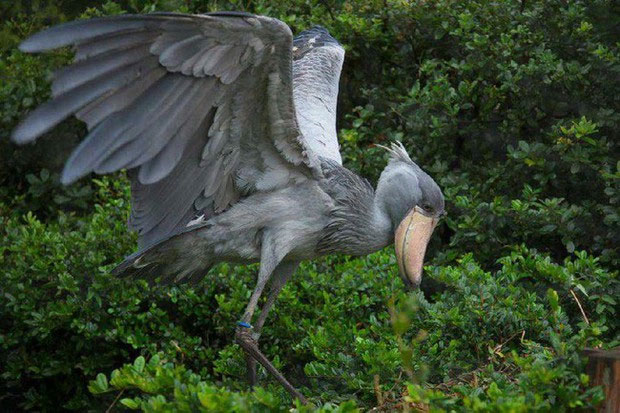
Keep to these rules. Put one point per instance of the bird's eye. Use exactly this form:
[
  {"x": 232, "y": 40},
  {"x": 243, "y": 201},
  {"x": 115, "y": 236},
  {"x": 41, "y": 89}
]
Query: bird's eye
[{"x": 427, "y": 208}]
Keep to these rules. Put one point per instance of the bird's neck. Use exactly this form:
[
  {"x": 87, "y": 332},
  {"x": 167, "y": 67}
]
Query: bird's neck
[
  {"x": 359, "y": 223},
  {"x": 359, "y": 231},
  {"x": 382, "y": 220},
  {"x": 382, "y": 228}
]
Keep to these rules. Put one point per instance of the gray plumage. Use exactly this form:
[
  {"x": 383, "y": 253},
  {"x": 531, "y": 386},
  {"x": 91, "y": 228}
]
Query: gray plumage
[
  {"x": 157, "y": 79},
  {"x": 317, "y": 62},
  {"x": 227, "y": 127},
  {"x": 353, "y": 218}
]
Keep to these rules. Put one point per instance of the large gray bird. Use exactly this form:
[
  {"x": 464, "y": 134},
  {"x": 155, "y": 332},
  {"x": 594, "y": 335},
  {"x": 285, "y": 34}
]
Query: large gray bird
[{"x": 226, "y": 125}]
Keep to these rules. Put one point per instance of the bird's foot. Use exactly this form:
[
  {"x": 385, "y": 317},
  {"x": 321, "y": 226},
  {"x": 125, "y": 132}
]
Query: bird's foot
[
  {"x": 244, "y": 336},
  {"x": 245, "y": 329}
]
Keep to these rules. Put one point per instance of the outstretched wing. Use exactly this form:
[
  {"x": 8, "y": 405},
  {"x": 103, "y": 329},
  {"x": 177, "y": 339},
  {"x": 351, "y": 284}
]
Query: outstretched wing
[
  {"x": 317, "y": 63},
  {"x": 198, "y": 108}
]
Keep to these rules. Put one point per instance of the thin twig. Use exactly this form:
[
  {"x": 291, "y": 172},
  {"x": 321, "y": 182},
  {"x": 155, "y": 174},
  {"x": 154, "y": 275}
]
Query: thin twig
[
  {"x": 118, "y": 396},
  {"x": 499, "y": 346},
  {"x": 508, "y": 339},
  {"x": 583, "y": 313}
]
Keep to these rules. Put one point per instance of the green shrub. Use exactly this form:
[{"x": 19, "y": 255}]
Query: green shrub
[
  {"x": 64, "y": 319},
  {"x": 187, "y": 392},
  {"x": 511, "y": 106}
]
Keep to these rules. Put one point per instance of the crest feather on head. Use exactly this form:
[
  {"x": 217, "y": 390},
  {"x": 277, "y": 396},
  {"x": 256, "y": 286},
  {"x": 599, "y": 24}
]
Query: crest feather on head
[{"x": 397, "y": 152}]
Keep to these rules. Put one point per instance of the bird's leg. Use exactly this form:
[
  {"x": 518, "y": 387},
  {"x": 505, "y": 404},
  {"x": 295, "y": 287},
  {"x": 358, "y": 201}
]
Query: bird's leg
[
  {"x": 244, "y": 330},
  {"x": 284, "y": 272},
  {"x": 248, "y": 344},
  {"x": 270, "y": 258},
  {"x": 281, "y": 275},
  {"x": 246, "y": 338}
]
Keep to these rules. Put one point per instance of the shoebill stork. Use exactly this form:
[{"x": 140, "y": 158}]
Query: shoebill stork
[{"x": 226, "y": 126}]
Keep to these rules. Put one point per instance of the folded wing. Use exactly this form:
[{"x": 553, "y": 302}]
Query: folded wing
[{"x": 198, "y": 108}]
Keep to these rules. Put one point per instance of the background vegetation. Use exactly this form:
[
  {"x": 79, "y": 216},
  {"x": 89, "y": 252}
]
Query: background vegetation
[{"x": 512, "y": 106}]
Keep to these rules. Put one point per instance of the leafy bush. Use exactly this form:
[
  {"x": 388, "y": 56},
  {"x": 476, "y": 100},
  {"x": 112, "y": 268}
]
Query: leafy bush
[
  {"x": 189, "y": 393},
  {"x": 511, "y": 106},
  {"x": 515, "y": 333}
]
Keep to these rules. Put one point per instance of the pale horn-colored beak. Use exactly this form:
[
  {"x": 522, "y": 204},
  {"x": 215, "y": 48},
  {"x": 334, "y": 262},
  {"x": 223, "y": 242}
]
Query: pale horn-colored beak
[{"x": 411, "y": 238}]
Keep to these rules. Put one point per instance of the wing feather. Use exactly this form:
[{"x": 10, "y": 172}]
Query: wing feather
[
  {"x": 94, "y": 153},
  {"x": 104, "y": 106},
  {"x": 317, "y": 64},
  {"x": 177, "y": 53},
  {"x": 54, "y": 111},
  {"x": 199, "y": 108},
  {"x": 82, "y": 72},
  {"x": 77, "y": 32},
  {"x": 163, "y": 163},
  {"x": 115, "y": 42},
  {"x": 173, "y": 194}
]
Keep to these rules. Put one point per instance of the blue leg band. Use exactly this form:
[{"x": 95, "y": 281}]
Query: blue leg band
[{"x": 243, "y": 324}]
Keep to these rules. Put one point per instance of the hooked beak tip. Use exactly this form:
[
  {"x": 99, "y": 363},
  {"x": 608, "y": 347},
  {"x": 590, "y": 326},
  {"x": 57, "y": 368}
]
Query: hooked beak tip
[{"x": 409, "y": 284}]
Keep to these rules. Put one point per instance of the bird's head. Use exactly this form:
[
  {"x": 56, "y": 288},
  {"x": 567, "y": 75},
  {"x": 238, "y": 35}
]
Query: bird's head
[{"x": 414, "y": 203}]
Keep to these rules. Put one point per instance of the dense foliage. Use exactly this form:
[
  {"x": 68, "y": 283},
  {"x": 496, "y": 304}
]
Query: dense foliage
[{"x": 512, "y": 106}]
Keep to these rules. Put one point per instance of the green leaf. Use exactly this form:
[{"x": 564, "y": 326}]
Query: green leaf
[
  {"x": 139, "y": 364},
  {"x": 130, "y": 403},
  {"x": 552, "y": 297},
  {"x": 154, "y": 361},
  {"x": 582, "y": 289},
  {"x": 102, "y": 382}
]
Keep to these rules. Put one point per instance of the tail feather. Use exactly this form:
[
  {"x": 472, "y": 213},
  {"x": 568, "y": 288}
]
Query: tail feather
[{"x": 181, "y": 258}]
